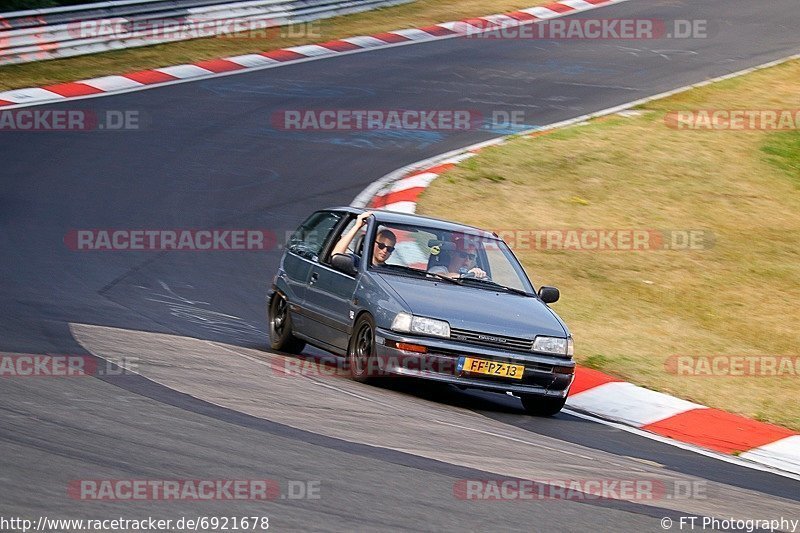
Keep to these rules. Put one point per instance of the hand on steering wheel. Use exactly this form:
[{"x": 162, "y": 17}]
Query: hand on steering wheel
[{"x": 474, "y": 272}]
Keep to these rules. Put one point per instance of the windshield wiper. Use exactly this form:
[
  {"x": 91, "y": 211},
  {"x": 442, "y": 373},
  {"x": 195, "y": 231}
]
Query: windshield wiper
[
  {"x": 457, "y": 281},
  {"x": 404, "y": 268},
  {"x": 496, "y": 285}
]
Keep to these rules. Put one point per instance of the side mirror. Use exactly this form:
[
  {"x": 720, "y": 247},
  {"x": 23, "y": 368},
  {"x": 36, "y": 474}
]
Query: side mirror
[
  {"x": 344, "y": 263},
  {"x": 549, "y": 295}
]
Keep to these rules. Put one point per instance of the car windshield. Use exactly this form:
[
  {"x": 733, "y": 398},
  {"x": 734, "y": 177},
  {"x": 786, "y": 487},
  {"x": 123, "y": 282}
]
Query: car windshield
[{"x": 473, "y": 259}]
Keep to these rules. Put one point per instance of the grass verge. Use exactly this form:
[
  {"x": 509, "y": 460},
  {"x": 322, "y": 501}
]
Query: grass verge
[
  {"x": 415, "y": 14},
  {"x": 631, "y": 311}
]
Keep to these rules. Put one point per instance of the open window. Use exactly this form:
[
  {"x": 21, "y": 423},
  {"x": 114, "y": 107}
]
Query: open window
[{"x": 355, "y": 247}]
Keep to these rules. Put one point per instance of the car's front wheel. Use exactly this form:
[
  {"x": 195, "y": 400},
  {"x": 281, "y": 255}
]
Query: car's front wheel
[
  {"x": 280, "y": 327},
  {"x": 361, "y": 351},
  {"x": 542, "y": 405}
]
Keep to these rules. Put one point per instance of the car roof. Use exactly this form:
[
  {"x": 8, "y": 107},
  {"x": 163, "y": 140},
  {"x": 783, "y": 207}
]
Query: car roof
[{"x": 395, "y": 217}]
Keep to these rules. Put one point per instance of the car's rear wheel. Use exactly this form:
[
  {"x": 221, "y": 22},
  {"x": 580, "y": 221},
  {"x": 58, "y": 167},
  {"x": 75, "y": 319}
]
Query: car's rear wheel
[
  {"x": 542, "y": 405},
  {"x": 280, "y": 327},
  {"x": 361, "y": 351}
]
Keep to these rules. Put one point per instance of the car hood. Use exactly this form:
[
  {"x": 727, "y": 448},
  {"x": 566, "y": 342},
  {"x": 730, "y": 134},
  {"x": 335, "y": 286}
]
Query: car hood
[{"x": 474, "y": 309}]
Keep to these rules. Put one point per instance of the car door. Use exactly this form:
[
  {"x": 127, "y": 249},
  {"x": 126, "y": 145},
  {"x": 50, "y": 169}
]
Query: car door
[
  {"x": 302, "y": 253},
  {"x": 329, "y": 299}
]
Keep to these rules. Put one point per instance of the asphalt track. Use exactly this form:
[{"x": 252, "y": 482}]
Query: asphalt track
[{"x": 208, "y": 158}]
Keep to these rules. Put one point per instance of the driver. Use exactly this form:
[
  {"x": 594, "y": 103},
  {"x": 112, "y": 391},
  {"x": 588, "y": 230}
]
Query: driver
[
  {"x": 382, "y": 249},
  {"x": 462, "y": 262}
]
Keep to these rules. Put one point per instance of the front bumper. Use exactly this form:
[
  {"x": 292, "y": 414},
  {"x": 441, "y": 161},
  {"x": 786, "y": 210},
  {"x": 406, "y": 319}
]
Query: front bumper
[{"x": 543, "y": 375}]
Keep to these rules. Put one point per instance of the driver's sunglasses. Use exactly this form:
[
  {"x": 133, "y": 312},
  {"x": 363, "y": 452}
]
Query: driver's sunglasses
[
  {"x": 467, "y": 255},
  {"x": 382, "y": 246}
]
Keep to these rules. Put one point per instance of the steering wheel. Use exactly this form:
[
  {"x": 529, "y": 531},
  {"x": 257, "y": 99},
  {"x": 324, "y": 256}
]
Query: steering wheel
[{"x": 464, "y": 273}]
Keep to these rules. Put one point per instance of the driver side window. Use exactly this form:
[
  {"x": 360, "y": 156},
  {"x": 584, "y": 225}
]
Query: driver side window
[
  {"x": 307, "y": 241},
  {"x": 355, "y": 245}
]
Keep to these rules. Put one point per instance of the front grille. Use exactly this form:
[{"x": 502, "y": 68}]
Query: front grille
[{"x": 495, "y": 341}]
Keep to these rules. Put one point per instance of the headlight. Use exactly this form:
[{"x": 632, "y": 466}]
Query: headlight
[
  {"x": 407, "y": 323},
  {"x": 402, "y": 322},
  {"x": 553, "y": 345}
]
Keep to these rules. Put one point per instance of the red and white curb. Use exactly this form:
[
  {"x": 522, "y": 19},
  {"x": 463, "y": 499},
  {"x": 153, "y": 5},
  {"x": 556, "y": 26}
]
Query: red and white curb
[
  {"x": 602, "y": 395},
  {"x": 146, "y": 79}
]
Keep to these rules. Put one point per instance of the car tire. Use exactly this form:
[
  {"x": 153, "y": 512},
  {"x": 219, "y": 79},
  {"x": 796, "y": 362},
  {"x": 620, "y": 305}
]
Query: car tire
[
  {"x": 542, "y": 405},
  {"x": 280, "y": 327},
  {"x": 361, "y": 358}
]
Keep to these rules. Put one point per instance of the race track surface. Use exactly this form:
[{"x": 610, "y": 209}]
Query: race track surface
[{"x": 209, "y": 403}]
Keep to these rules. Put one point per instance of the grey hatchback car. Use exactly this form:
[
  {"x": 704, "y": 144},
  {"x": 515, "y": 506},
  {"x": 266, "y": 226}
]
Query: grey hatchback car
[{"x": 421, "y": 297}]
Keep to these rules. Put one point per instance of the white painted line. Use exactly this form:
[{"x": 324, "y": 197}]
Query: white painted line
[
  {"x": 420, "y": 180},
  {"x": 460, "y": 158},
  {"x": 365, "y": 41},
  {"x": 184, "y": 71},
  {"x": 577, "y": 4},
  {"x": 311, "y": 50},
  {"x": 414, "y": 34},
  {"x": 542, "y": 12},
  {"x": 112, "y": 83},
  {"x": 31, "y": 94},
  {"x": 784, "y": 453},
  {"x": 625, "y": 402},
  {"x": 460, "y": 27},
  {"x": 252, "y": 60},
  {"x": 502, "y": 20},
  {"x": 401, "y": 207}
]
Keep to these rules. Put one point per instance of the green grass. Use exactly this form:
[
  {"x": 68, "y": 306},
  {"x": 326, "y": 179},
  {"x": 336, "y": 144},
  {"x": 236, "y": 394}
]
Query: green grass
[{"x": 783, "y": 151}]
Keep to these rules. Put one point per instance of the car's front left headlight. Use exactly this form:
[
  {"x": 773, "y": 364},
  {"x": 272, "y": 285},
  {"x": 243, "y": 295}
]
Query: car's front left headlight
[
  {"x": 554, "y": 345},
  {"x": 407, "y": 323}
]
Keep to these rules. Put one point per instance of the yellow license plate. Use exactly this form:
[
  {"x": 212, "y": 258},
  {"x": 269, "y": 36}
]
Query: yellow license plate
[{"x": 492, "y": 368}]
